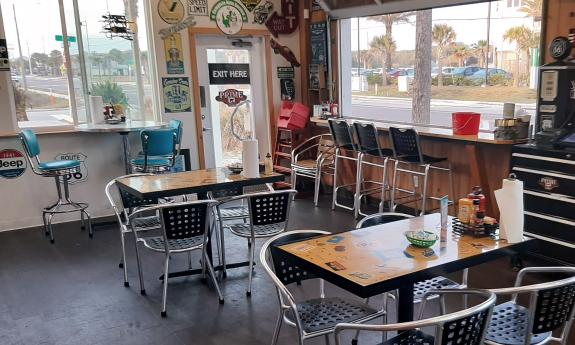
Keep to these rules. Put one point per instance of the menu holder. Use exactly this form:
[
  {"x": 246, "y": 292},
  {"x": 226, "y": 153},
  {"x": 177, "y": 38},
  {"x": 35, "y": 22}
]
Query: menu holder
[{"x": 476, "y": 230}]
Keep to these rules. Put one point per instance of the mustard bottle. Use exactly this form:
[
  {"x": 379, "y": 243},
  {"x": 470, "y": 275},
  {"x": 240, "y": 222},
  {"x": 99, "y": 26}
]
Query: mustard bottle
[{"x": 465, "y": 210}]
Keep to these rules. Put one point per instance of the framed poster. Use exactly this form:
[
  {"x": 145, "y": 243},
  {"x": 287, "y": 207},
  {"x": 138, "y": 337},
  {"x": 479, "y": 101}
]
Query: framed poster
[
  {"x": 198, "y": 7},
  {"x": 176, "y": 95},
  {"x": 173, "y": 51},
  {"x": 318, "y": 39}
]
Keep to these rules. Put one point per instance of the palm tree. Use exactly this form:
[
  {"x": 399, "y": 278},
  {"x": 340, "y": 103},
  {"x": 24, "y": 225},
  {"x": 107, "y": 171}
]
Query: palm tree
[
  {"x": 421, "y": 99},
  {"x": 443, "y": 35},
  {"x": 481, "y": 47},
  {"x": 461, "y": 53},
  {"x": 533, "y": 8},
  {"x": 384, "y": 46},
  {"x": 524, "y": 39}
]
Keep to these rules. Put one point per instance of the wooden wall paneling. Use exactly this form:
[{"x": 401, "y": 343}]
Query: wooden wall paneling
[
  {"x": 197, "y": 103},
  {"x": 303, "y": 50},
  {"x": 560, "y": 18}
]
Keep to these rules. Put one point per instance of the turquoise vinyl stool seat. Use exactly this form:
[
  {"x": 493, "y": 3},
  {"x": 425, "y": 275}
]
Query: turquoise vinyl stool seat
[
  {"x": 60, "y": 170},
  {"x": 178, "y": 127},
  {"x": 158, "y": 151}
]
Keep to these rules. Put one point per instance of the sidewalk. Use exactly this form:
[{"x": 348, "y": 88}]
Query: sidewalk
[{"x": 439, "y": 102}]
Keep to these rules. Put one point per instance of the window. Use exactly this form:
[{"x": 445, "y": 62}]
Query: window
[
  {"x": 481, "y": 57},
  {"x": 104, "y": 66}
]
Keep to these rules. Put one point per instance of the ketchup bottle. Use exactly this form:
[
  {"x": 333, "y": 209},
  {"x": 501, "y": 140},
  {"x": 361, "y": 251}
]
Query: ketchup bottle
[{"x": 476, "y": 194}]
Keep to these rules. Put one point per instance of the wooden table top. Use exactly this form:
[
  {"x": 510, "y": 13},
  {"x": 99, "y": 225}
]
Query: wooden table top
[
  {"x": 188, "y": 182},
  {"x": 373, "y": 260}
]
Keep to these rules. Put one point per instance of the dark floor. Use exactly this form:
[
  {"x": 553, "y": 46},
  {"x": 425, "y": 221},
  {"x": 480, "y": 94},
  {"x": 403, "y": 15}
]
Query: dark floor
[{"x": 72, "y": 292}]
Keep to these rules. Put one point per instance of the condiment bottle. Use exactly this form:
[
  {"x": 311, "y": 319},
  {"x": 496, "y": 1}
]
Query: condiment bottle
[
  {"x": 465, "y": 210},
  {"x": 269, "y": 165},
  {"x": 476, "y": 194}
]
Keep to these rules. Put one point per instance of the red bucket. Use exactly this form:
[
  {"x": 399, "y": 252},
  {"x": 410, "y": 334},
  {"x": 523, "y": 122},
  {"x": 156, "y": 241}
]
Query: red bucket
[{"x": 465, "y": 123}]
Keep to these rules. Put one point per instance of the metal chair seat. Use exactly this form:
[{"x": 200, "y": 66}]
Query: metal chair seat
[
  {"x": 234, "y": 212},
  {"x": 157, "y": 243},
  {"x": 309, "y": 164},
  {"x": 411, "y": 337},
  {"x": 435, "y": 283},
  {"x": 509, "y": 324},
  {"x": 152, "y": 161},
  {"x": 424, "y": 159},
  {"x": 145, "y": 223},
  {"x": 243, "y": 229},
  {"x": 321, "y": 314},
  {"x": 59, "y": 165}
]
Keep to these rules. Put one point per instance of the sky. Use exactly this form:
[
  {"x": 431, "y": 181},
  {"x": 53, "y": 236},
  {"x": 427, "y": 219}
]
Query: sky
[{"x": 39, "y": 22}]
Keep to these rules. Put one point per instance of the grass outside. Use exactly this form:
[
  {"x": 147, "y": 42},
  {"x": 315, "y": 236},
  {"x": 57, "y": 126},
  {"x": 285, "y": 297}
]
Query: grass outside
[
  {"x": 42, "y": 101},
  {"x": 463, "y": 93}
]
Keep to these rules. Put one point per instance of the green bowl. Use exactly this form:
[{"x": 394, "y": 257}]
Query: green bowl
[{"x": 423, "y": 239}]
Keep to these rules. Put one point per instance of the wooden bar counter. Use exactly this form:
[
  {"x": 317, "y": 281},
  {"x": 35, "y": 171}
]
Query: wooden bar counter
[{"x": 476, "y": 160}]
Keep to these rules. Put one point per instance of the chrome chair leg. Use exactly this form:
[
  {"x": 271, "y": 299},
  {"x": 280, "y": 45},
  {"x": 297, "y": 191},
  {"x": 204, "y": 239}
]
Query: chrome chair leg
[
  {"x": 223, "y": 245},
  {"x": 140, "y": 275},
  {"x": 383, "y": 186},
  {"x": 123, "y": 263},
  {"x": 189, "y": 260},
  {"x": 442, "y": 305},
  {"x": 327, "y": 339},
  {"x": 278, "y": 328},
  {"x": 89, "y": 220},
  {"x": 335, "y": 166},
  {"x": 165, "y": 286},
  {"x": 50, "y": 231},
  {"x": 424, "y": 191},
  {"x": 393, "y": 187},
  {"x": 82, "y": 225},
  {"x": 358, "y": 185},
  {"x": 214, "y": 279},
  {"x": 251, "y": 267},
  {"x": 317, "y": 186},
  {"x": 46, "y": 232}
]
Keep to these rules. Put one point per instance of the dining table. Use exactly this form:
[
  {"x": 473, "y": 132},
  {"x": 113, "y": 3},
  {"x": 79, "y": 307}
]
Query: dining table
[
  {"x": 198, "y": 182},
  {"x": 374, "y": 260}
]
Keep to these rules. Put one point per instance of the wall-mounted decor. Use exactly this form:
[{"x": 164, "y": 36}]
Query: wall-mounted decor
[
  {"x": 231, "y": 97},
  {"x": 262, "y": 12},
  {"x": 4, "y": 60},
  {"x": 184, "y": 24},
  {"x": 198, "y": 7},
  {"x": 229, "y": 73},
  {"x": 116, "y": 26},
  {"x": 173, "y": 53},
  {"x": 171, "y": 11},
  {"x": 318, "y": 39},
  {"x": 229, "y": 15},
  {"x": 250, "y": 4},
  {"x": 285, "y": 52},
  {"x": 287, "y": 88},
  {"x": 12, "y": 163},
  {"x": 286, "y": 22},
  {"x": 79, "y": 176},
  {"x": 176, "y": 95},
  {"x": 286, "y": 72},
  {"x": 314, "y": 77},
  {"x": 315, "y": 6}
]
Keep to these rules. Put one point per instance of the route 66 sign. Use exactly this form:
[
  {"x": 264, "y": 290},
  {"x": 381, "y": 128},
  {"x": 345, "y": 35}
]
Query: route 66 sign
[
  {"x": 76, "y": 177},
  {"x": 229, "y": 16}
]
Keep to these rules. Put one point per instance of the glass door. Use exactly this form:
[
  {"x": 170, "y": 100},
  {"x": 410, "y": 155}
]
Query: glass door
[{"x": 231, "y": 80}]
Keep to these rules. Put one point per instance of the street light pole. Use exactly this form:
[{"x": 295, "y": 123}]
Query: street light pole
[
  {"x": 22, "y": 68},
  {"x": 488, "y": 37}
]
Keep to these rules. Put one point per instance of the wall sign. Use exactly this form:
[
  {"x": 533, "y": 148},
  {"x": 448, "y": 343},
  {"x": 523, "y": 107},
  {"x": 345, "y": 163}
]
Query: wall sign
[
  {"x": 171, "y": 11},
  {"x": 285, "y": 52},
  {"x": 80, "y": 176},
  {"x": 318, "y": 39},
  {"x": 12, "y": 163},
  {"x": 173, "y": 53},
  {"x": 287, "y": 22},
  {"x": 176, "y": 95},
  {"x": 229, "y": 16},
  {"x": 4, "y": 60},
  {"x": 184, "y": 24},
  {"x": 287, "y": 88},
  {"x": 286, "y": 72},
  {"x": 231, "y": 97},
  {"x": 250, "y": 4},
  {"x": 198, "y": 7},
  {"x": 229, "y": 73},
  {"x": 262, "y": 12}
]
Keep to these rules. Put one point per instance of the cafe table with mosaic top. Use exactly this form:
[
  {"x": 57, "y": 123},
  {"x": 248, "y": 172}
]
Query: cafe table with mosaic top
[{"x": 370, "y": 261}]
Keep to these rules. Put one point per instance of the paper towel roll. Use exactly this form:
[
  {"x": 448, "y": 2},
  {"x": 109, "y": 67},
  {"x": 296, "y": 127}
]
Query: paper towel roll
[
  {"x": 250, "y": 159},
  {"x": 97, "y": 109},
  {"x": 510, "y": 201}
]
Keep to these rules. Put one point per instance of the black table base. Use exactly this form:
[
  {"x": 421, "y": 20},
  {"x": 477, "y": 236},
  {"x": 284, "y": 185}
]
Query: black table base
[{"x": 405, "y": 303}]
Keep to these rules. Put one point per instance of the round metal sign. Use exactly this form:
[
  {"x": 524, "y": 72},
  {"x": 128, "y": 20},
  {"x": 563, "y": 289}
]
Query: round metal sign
[
  {"x": 171, "y": 11},
  {"x": 560, "y": 48},
  {"x": 12, "y": 163}
]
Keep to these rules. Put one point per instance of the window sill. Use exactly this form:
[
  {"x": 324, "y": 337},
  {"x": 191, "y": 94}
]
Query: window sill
[{"x": 42, "y": 130}]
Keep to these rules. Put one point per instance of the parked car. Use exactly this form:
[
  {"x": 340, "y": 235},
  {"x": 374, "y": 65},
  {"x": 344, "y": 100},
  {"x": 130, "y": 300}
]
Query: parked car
[
  {"x": 464, "y": 71},
  {"x": 447, "y": 71},
  {"x": 492, "y": 72}
]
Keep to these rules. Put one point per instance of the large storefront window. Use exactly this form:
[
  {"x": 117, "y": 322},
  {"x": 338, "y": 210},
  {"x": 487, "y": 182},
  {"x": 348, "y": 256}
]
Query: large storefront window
[
  {"x": 482, "y": 56},
  {"x": 107, "y": 66}
]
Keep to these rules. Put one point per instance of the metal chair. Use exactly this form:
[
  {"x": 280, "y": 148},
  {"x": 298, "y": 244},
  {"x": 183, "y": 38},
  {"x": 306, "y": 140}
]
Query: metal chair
[
  {"x": 269, "y": 215},
  {"x": 420, "y": 288},
  {"x": 159, "y": 151},
  {"x": 344, "y": 146},
  {"x": 551, "y": 307},
  {"x": 313, "y": 317},
  {"x": 368, "y": 146},
  {"x": 60, "y": 170},
  {"x": 124, "y": 204},
  {"x": 464, "y": 327},
  {"x": 407, "y": 151},
  {"x": 321, "y": 147},
  {"x": 185, "y": 228}
]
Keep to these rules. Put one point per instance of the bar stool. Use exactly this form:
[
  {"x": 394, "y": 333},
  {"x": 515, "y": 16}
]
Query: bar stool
[
  {"x": 343, "y": 140},
  {"x": 159, "y": 151},
  {"x": 59, "y": 170},
  {"x": 368, "y": 146},
  {"x": 407, "y": 152}
]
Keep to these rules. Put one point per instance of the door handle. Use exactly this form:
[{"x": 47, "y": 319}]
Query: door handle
[{"x": 204, "y": 129}]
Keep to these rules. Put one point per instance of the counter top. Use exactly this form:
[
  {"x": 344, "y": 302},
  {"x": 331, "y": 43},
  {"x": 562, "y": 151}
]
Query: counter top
[{"x": 434, "y": 132}]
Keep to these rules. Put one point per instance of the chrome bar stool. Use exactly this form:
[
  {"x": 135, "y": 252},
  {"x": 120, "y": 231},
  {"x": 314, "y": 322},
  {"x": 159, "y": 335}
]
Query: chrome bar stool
[
  {"x": 159, "y": 151},
  {"x": 322, "y": 150},
  {"x": 409, "y": 159},
  {"x": 369, "y": 147},
  {"x": 551, "y": 308},
  {"x": 463, "y": 327},
  {"x": 344, "y": 149},
  {"x": 60, "y": 170}
]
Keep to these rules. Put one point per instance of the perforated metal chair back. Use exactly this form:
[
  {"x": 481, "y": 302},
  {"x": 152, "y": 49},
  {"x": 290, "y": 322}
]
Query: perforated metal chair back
[
  {"x": 367, "y": 138},
  {"x": 185, "y": 220},
  {"x": 159, "y": 142},
  {"x": 341, "y": 133},
  {"x": 405, "y": 142},
  {"x": 131, "y": 201},
  {"x": 270, "y": 207},
  {"x": 127, "y": 200},
  {"x": 554, "y": 307},
  {"x": 381, "y": 218}
]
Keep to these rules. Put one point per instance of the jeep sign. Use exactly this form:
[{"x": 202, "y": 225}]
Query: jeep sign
[{"x": 12, "y": 163}]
